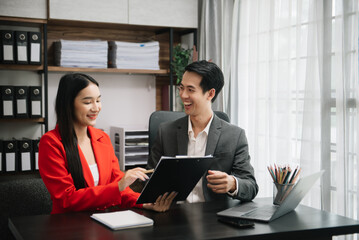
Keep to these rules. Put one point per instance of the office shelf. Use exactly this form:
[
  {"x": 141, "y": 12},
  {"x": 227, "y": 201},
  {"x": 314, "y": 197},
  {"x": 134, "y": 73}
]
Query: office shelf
[{"x": 108, "y": 70}]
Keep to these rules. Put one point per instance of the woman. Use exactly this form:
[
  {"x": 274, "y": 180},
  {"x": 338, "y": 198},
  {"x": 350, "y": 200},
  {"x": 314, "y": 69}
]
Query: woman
[{"x": 77, "y": 162}]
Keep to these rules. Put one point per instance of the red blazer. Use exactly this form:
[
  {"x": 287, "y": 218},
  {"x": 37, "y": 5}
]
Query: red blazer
[{"x": 55, "y": 174}]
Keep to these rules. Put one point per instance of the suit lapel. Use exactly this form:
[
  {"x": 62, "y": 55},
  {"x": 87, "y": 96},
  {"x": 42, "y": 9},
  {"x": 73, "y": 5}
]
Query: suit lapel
[
  {"x": 213, "y": 135},
  {"x": 182, "y": 136}
]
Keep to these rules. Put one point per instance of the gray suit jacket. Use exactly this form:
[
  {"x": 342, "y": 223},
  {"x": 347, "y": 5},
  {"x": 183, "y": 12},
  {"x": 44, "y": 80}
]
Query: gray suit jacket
[{"x": 226, "y": 142}]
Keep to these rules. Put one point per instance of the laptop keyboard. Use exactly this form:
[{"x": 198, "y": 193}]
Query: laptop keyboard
[{"x": 264, "y": 212}]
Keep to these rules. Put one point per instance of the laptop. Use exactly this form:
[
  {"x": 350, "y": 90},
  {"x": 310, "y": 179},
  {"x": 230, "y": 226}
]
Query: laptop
[{"x": 269, "y": 212}]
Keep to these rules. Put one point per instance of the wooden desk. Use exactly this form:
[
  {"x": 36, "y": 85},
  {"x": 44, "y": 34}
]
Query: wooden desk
[{"x": 187, "y": 221}]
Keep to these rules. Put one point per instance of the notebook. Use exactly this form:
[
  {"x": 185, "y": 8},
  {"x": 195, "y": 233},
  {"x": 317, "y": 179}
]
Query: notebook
[
  {"x": 175, "y": 174},
  {"x": 122, "y": 219},
  {"x": 269, "y": 212}
]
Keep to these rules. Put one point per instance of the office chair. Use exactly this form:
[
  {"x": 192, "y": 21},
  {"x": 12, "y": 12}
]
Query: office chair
[
  {"x": 159, "y": 117},
  {"x": 22, "y": 196}
]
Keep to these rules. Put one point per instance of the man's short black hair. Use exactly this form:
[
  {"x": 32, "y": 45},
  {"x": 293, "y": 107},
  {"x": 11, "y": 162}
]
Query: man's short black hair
[{"x": 212, "y": 76}]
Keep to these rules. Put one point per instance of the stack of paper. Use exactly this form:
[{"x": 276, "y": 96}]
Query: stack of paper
[
  {"x": 122, "y": 219},
  {"x": 83, "y": 54},
  {"x": 126, "y": 55}
]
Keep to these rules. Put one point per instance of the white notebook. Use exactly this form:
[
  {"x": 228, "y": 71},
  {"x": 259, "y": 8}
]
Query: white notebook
[{"x": 122, "y": 219}]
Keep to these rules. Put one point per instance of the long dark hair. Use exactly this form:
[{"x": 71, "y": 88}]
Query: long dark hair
[{"x": 69, "y": 87}]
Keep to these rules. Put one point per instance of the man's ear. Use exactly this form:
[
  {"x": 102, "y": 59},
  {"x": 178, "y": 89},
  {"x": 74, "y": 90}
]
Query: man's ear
[{"x": 211, "y": 94}]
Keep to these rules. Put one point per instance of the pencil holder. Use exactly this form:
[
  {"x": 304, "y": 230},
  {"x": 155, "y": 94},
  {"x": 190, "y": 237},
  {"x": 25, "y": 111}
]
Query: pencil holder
[{"x": 280, "y": 192}]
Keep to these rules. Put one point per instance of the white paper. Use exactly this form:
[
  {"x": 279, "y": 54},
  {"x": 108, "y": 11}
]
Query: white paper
[
  {"x": 21, "y": 53},
  {"x": 25, "y": 161},
  {"x": 35, "y": 52},
  {"x": 21, "y": 106},
  {"x": 10, "y": 162},
  {"x": 8, "y": 108},
  {"x": 35, "y": 107},
  {"x": 8, "y": 53}
]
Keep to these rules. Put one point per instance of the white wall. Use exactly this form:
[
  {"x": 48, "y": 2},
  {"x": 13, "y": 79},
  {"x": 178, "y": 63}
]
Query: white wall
[{"x": 127, "y": 100}]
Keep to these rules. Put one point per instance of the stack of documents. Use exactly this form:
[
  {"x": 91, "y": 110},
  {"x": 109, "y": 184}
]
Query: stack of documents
[
  {"x": 126, "y": 55},
  {"x": 82, "y": 54}
]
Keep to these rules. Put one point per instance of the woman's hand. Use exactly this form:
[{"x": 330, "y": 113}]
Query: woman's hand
[
  {"x": 131, "y": 176},
  {"x": 162, "y": 204}
]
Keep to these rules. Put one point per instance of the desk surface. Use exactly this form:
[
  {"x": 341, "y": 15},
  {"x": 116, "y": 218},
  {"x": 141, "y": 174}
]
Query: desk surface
[{"x": 187, "y": 221}]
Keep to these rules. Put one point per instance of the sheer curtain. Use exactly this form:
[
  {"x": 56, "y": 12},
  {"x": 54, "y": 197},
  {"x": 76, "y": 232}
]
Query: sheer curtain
[{"x": 291, "y": 69}]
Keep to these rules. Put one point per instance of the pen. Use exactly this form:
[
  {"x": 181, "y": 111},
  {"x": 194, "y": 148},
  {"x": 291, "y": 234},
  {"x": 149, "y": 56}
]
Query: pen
[{"x": 149, "y": 171}]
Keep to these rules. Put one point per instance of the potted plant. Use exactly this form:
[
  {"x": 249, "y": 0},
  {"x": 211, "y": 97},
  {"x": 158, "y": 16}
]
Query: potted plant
[{"x": 181, "y": 58}]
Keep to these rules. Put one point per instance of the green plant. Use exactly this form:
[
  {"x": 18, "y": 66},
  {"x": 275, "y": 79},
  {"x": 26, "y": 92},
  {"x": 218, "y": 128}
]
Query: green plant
[{"x": 181, "y": 58}]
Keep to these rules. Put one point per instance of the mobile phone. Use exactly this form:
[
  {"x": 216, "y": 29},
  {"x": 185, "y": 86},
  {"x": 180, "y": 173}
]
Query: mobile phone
[{"x": 237, "y": 222}]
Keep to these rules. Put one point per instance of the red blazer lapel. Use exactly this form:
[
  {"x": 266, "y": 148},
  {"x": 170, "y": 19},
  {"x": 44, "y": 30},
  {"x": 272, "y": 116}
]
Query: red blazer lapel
[
  {"x": 103, "y": 151},
  {"x": 86, "y": 170}
]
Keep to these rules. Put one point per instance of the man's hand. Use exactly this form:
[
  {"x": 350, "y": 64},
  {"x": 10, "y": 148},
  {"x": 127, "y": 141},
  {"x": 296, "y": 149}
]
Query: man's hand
[
  {"x": 131, "y": 176},
  {"x": 220, "y": 182},
  {"x": 162, "y": 204}
]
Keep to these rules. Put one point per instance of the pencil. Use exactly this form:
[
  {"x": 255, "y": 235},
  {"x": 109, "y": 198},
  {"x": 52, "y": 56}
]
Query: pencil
[{"x": 149, "y": 171}]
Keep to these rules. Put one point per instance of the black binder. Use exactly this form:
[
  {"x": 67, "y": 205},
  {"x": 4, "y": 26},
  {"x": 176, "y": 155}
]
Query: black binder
[
  {"x": 7, "y": 102},
  {"x": 10, "y": 163},
  {"x": 35, "y": 153},
  {"x": 24, "y": 155},
  {"x": 7, "y": 46},
  {"x": 34, "y": 47},
  {"x": 179, "y": 174},
  {"x": 1, "y": 157},
  {"x": 21, "y": 52},
  {"x": 35, "y": 102},
  {"x": 21, "y": 102}
]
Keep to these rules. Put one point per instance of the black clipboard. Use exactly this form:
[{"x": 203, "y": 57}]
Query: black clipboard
[{"x": 179, "y": 174}]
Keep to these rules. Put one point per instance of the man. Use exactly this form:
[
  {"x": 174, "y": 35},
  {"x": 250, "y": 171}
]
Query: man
[{"x": 202, "y": 133}]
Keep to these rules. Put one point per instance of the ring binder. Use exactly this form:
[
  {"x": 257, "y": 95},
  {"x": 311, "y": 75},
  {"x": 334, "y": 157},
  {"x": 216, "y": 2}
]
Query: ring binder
[
  {"x": 34, "y": 47},
  {"x": 7, "y": 101},
  {"x": 35, "y": 101},
  {"x": 21, "y": 103},
  {"x": 10, "y": 162},
  {"x": 35, "y": 153},
  {"x": 21, "y": 47},
  {"x": 7, "y": 46},
  {"x": 24, "y": 155}
]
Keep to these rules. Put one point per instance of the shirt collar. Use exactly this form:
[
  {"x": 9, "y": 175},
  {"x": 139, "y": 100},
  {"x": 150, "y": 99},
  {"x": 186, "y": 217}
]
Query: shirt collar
[{"x": 206, "y": 129}]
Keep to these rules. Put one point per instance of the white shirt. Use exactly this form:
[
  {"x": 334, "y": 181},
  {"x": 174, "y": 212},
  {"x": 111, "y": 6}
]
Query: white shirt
[
  {"x": 95, "y": 174},
  {"x": 197, "y": 147}
]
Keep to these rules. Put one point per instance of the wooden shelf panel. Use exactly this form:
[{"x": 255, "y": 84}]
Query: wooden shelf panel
[
  {"x": 23, "y": 20},
  {"x": 108, "y": 70},
  {"x": 21, "y": 67},
  {"x": 35, "y": 120}
]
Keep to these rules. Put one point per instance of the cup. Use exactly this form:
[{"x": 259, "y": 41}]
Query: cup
[{"x": 280, "y": 192}]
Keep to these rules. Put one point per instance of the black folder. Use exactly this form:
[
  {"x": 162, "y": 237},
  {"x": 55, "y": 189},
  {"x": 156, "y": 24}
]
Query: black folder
[
  {"x": 35, "y": 101},
  {"x": 34, "y": 47},
  {"x": 7, "y": 46},
  {"x": 24, "y": 155},
  {"x": 10, "y": 163},
  {"x": 1, "y": 157},
  {"x": 21, "y": 102},
  {"x": 179, "y": 174},
  {"x": 7, "y": 101},
  {"x": 21, "y": 52},
  {"x": 35, "y": 153}
]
